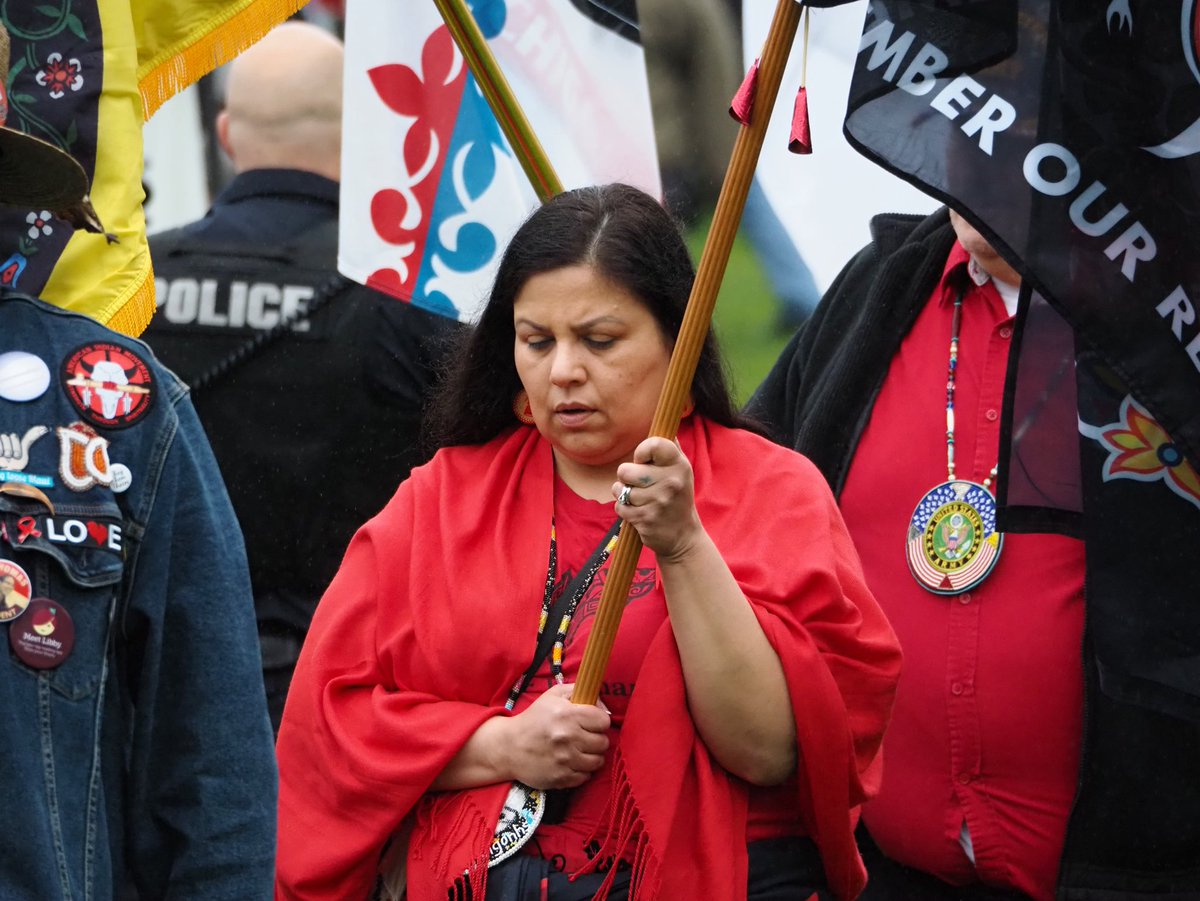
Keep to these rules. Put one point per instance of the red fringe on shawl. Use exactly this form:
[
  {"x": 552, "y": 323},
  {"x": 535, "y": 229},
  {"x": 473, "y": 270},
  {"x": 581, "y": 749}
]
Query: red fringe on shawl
[
  {"x": 450, "y": 842},
  {"x": 623, "y": 833}
]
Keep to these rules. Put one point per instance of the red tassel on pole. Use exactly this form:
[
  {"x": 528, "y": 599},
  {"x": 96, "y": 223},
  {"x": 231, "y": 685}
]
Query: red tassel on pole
[
  {"x": 743, "y": 101},
  {"x": 801, "y": 139}
]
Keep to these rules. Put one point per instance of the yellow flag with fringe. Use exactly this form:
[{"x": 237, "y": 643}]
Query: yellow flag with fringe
[{"x": 86, "y": 75}]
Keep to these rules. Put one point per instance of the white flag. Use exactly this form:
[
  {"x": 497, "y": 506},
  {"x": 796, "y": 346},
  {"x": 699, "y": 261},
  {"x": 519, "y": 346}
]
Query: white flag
[{"x": 431, "y": 191}]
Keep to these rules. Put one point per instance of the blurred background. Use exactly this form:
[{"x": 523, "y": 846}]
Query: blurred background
[{"x": 810, "y": 214}]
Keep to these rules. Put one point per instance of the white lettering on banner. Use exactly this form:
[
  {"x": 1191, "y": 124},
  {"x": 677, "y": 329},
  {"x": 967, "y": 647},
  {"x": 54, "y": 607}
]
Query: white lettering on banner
[
  {"x": 921, "y": 75},
  {"x": 996, "y": 115},
  {"x": 881, "y": 53},
  {"x": 259, "y": 305},
  {"x": 1080, "y": 206},
  {"x": 952, "y": 99},
  {"x": 993, "y": 117},
  {"x": 1179, "y": 307},
  {"x": 1033, "y": 170},
  {"x": 1193, "y": 350},
  {"x": 1134, "y": 245},
  {"x": 1049, "y": 168}
]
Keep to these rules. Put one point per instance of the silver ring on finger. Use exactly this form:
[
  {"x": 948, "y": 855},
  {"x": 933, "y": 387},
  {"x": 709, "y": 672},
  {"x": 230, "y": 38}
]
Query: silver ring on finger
[{"x": 623, "y": 497}]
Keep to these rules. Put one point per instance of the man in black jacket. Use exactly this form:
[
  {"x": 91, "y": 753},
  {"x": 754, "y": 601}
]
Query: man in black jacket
[
  {"x": 1016, "y": 766},
  {"x": 310, "y": 387}
]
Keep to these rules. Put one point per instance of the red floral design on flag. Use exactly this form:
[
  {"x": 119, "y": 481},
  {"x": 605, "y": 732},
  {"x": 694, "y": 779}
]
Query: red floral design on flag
[
  {"x": 400, "y": 215},
  {"x": 59, "y": 75}
]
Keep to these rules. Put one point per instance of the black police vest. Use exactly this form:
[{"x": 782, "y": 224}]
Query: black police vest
[{"x": 310, "y": 390}]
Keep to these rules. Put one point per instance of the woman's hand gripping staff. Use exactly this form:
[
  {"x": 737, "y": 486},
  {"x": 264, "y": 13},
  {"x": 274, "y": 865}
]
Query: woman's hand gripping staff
[
  {"x": 735, "y": 684},
  {"x": 551, "y": 744}
]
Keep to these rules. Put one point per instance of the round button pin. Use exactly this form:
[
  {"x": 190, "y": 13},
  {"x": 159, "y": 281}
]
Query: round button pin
[
  {"x": 44, "y": 638},
  {"x": 121, "y": 477},
  {"x": 23, "y": 376},
  {"x": 15, "y": 589}
]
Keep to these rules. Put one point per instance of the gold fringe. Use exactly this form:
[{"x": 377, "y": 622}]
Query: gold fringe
[
  {"x": 133, "y": 314},
  {"x": 228, "y": 35}
]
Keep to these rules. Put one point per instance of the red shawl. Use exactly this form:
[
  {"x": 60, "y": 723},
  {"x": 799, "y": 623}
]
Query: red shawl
[{"x": 434, "y": 612}]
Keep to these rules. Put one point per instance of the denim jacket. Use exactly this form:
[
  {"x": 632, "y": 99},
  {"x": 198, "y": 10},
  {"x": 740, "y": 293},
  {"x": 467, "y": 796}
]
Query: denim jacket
[{"x": 142, "y": 758}]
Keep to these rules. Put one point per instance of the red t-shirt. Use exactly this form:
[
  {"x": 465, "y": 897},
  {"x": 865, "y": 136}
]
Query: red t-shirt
[
  {"x": 986, "y": 726},
  {"x": 579, "y": 525}
]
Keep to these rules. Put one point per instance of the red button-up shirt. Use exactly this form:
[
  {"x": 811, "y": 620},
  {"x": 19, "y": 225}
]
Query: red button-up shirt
[{"x": 986, "y": 727}]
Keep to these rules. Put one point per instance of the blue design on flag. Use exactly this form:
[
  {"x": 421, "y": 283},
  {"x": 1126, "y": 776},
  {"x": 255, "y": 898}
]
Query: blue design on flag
[{"x": 457, "y": 239}]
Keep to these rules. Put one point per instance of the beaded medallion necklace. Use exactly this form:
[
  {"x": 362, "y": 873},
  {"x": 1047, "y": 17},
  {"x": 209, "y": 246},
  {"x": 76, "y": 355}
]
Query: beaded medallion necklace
[{"x": 952, "y": 543}]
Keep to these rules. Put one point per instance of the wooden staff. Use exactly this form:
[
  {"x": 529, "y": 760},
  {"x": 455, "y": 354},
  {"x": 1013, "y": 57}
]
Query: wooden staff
[
  {"x": 697, "y": 318},
  {"x": 696, "y": 322},
  {"x": 513, "y": 122}
]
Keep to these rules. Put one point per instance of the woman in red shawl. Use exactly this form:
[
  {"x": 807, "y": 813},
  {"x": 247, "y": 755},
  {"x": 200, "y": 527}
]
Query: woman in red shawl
[{"x": 741, "y": 715}]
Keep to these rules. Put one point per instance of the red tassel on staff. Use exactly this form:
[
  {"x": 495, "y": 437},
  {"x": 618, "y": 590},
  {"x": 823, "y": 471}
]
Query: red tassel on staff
[
  {"x": 743, "y": 100},
  {"x": 801, "y": 138}
]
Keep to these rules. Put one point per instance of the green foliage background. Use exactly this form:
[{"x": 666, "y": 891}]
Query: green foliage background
[{"x": 747, "y": 315}]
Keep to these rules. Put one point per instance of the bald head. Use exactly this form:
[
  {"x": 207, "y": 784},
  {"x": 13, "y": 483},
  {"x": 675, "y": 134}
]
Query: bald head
[{"x": 283, "y": 102}]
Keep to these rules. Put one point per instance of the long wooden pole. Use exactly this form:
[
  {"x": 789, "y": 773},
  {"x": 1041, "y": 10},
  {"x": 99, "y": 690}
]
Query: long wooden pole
[
  {"x": 696, "y": 322},
  {"x": 513, "y": 122}
]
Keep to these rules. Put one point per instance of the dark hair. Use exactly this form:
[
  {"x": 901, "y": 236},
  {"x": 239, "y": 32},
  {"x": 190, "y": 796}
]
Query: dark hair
[{"x": 626, "y": 236}]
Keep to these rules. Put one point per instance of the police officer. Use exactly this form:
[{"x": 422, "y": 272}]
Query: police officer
[
  {"x": 310, "y": 387},
  {"x": 133, "y": 731}
]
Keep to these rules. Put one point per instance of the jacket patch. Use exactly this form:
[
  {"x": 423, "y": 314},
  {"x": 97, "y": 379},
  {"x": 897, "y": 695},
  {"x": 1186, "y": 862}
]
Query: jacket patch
[
  {"x": 93, "y": 533},
  {"x": 23, "y": 478},
  {"x": 14, "y": 448},
  {"x": 110, "y": 385},
  {"x": 83, "y": 457}
]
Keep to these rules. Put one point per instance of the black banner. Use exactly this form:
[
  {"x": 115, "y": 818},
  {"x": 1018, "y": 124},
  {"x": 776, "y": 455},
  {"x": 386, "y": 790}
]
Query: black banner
[{"x": 1068, "y": 132}]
